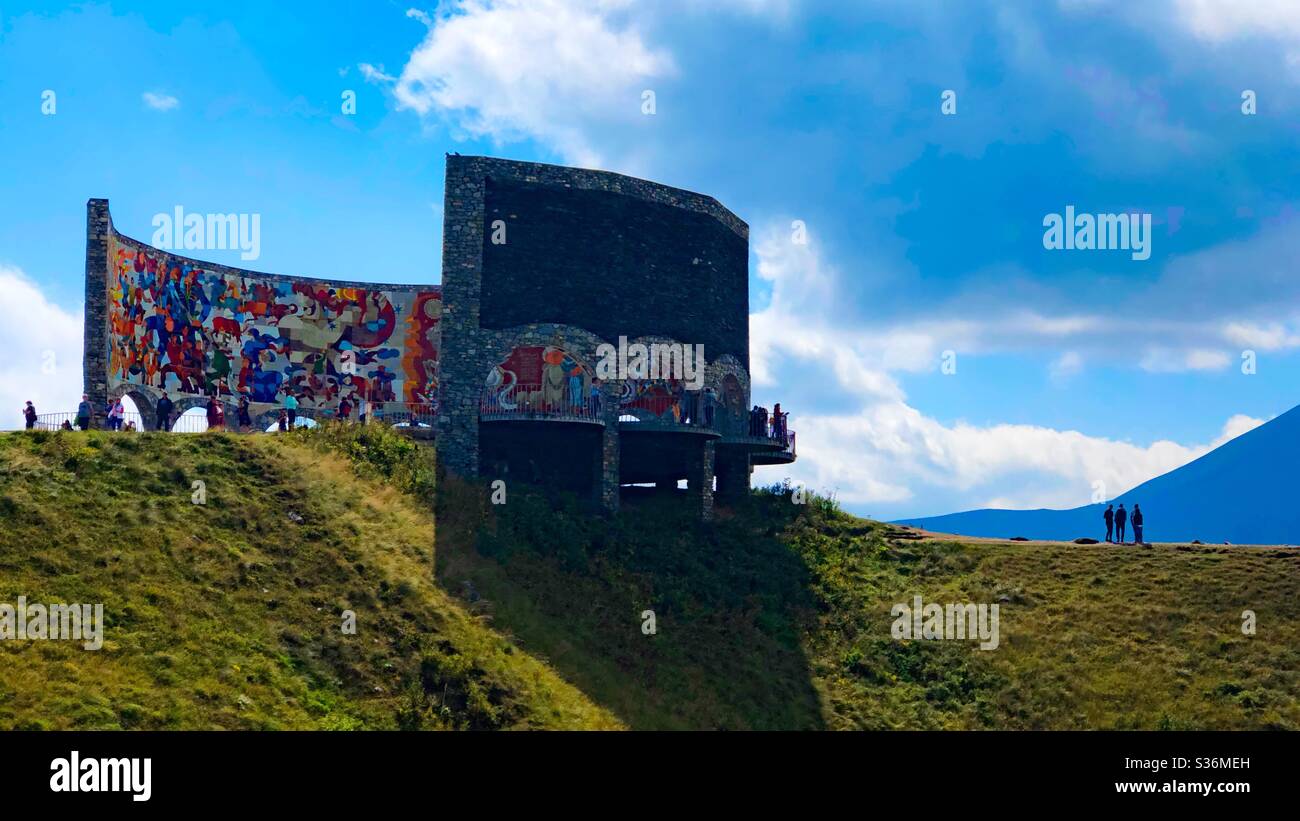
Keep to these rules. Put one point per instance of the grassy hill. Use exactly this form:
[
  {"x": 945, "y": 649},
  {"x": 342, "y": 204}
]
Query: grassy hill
[
  {"x": 229, "y": 614},
  {"x": 776, "y": 615}
]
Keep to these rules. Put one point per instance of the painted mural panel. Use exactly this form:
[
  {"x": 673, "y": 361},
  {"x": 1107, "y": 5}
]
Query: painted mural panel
[
  {"x": 175, "y": 325},
  {"x": 539, "y": 377}
]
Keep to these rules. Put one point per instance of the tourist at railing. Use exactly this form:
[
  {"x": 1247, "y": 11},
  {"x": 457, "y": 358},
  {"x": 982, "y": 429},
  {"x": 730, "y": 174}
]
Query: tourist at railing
[
  {"x": 283, "y": 422},
  {"x": 216, "y": 415},
  {"x": 363, "y": 410},
  {"x": 66, "y": 425},
  {"x": 243, "y": 415},
  {"x": 291, "y": 407},
  {"x": 345, "y": 410},
  {"x": 29, "y": 415},
  {"x": 85, "y": 412},
  {"x": 164, "y": 409},
  {"x": 115, "y": 413}
]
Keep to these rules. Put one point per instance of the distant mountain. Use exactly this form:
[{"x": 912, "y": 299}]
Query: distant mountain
[{"x": 1244, "y": 492}]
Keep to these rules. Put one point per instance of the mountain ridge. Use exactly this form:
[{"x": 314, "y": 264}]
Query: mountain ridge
[{"x": 1235, "y": 493}]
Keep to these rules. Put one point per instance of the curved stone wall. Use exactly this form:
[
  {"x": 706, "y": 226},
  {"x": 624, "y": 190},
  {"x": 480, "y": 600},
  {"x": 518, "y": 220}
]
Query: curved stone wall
[{"x": 161, "y": 322}]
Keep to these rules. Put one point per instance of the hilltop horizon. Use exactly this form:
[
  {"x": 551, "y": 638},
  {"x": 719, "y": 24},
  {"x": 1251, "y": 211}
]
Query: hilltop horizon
[{"x": 1239, "y": 492}]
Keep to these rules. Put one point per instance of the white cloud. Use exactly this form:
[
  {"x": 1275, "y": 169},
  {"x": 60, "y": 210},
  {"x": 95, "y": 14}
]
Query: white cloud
[
  {"x": 1165, "y": 360},
  {"x": 160, "y": 102},
  {"x": 42, "y": 344},
  {"x": 375, "y": 74},
  {"x": 1066, "y": 365},
  {"x": 1236, "y": 426},
  {"x": 1268, "y": 336},
  {"x": 885, "y": 452},
  {"x": 1218, "y": 20},
  {"x": 850, "y": 454},
  {"x": 518, "y": 69}
]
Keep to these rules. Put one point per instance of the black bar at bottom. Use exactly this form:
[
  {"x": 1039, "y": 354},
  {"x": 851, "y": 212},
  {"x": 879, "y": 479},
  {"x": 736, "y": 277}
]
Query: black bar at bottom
[{"x": 541, "y": 770}]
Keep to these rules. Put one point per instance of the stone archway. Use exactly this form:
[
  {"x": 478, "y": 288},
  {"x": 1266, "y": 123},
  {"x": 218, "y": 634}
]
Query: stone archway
[
  {"x": 144, "y": 402},
  {"x": 730, "y": 382}
]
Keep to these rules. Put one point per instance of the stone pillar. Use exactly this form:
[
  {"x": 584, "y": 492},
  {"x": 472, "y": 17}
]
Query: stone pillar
[
  {"x": 460, "y": 370},
  {"x": 699, "y": 480},
  {"x": 731, "y": 465},
  {"x": 607, "y": 476},
  {"x": 94, "y": 368},
  {"x": 607, "y": 470}
]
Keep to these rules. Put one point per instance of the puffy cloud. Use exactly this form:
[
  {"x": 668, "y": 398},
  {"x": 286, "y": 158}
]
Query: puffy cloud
[
  {"x": 1266, "y": 336},
  {"x": 42, "y": 344},
  {"x": 518, "y": 69},
  {"x": 883, "y": 451},
  {"x": 1219, "y": 20},
  {"x": 850, "y": 453}
]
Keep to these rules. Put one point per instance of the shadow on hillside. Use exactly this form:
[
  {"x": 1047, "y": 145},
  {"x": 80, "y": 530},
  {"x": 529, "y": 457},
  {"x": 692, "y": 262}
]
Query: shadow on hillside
[{"x": 730, "y": 602}]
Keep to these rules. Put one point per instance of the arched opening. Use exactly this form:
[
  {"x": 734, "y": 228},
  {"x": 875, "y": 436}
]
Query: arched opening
[
  {"x": 193, "y": 420},
  {"x": 131, "y": 419}
]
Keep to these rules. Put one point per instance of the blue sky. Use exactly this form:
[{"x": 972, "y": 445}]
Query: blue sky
[{"x": 925, "y": 229}]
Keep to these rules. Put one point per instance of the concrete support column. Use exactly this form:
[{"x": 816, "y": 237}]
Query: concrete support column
[{"x": 699, "y": 480}]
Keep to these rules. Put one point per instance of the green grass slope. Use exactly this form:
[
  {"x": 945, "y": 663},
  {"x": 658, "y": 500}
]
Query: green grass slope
[
  {"x": 229, "y": 614},
  {"x": 778, "y": 616},
  {"x": 774, "y": 616}
]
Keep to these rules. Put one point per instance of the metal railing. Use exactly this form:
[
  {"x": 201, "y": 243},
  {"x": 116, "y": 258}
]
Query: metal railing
[
  {"x": 398, "y": 414},
  {"x": 393, "y": 414},
  {"x": 55, "y": 421},
  {"x": 670, "y": 412},
  {"x": 763, "y": 431},
  {"x": 515, "y": 404},
  {"x": 129, "y": 421}
]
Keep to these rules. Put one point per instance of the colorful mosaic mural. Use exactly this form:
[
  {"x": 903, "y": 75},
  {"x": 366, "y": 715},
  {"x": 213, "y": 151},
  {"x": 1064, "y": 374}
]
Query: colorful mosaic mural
[
  {"x": 177, "y": 325},
  {"x": 539, "y": 376}
]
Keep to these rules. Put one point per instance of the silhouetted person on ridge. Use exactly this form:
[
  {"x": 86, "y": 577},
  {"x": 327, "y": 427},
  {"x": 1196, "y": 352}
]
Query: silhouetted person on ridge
[
  {"x": 1109, "y": 516},
  {"x": 1137, "y": 525},
  {"x": 29, "y": 415},
  {"x": 1121, "y": 516}
]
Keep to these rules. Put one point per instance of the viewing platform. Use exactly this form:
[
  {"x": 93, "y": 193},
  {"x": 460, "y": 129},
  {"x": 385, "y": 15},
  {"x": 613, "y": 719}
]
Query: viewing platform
[
  {"x": 666, "y": 415},
  {"x": 517, "y": 406}
]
